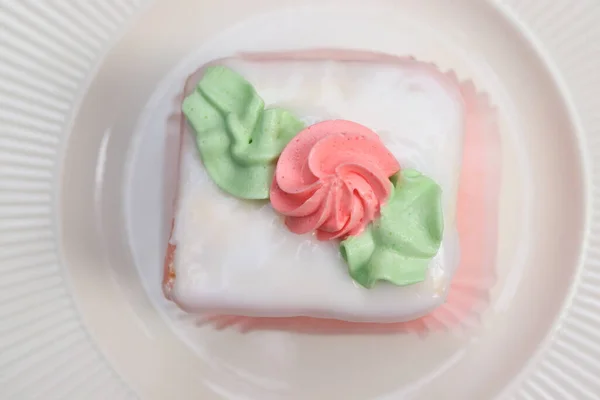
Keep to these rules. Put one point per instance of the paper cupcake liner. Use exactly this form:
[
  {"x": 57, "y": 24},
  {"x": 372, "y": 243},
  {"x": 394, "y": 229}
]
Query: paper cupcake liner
[{"x": 476, "y": 218}]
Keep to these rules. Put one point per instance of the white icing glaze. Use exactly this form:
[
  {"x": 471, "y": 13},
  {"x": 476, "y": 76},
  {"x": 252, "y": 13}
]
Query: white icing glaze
[{"x": 237, "y": 257}]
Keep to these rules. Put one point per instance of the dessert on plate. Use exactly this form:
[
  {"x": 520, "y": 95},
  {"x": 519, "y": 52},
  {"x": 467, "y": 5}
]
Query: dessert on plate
[{"x": 332, "y": 185}]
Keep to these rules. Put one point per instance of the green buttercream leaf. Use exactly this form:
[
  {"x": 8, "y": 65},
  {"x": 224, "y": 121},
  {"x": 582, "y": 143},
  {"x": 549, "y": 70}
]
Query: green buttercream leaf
[
  {"x": 239, "y": 140},
  {"x": 399, "y": 245}
]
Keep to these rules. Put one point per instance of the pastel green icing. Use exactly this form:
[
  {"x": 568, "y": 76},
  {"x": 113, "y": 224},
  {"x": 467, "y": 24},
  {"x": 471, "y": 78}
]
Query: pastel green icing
[
  {"x": 398, "y": 246},
  {"x": 239, "y": 141}
]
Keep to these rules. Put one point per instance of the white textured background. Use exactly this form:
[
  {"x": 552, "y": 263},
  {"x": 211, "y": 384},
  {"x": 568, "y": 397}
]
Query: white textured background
[{"x": 46, "y": 352}]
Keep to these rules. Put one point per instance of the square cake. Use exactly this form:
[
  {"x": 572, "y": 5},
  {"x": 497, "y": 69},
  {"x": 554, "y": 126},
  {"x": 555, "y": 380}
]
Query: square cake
[{"x": 250, "y": 257}]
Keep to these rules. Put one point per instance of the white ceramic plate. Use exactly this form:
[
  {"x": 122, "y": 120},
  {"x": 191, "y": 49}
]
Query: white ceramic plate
[{"x": 85, "y": 89}]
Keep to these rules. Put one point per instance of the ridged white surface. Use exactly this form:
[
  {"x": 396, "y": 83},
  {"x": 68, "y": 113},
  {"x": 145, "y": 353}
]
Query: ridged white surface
[
  {"x": 568, "y": 33},
  {"x": 48, "y": 52}
]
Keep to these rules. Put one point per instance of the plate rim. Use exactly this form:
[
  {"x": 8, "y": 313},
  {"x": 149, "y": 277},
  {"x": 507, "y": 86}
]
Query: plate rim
[{"x": 552, "y": 361}]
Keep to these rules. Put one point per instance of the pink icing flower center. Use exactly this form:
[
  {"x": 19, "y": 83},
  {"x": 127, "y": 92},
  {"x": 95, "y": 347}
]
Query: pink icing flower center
[{"x": 332, "y": 178}]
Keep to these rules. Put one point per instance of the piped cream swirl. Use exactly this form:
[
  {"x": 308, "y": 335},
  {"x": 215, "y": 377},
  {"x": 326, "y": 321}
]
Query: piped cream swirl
[{"x": 332, "y": 178}]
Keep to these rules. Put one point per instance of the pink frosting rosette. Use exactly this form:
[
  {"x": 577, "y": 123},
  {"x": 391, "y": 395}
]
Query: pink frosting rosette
[{"x": 332, "y": 178}]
